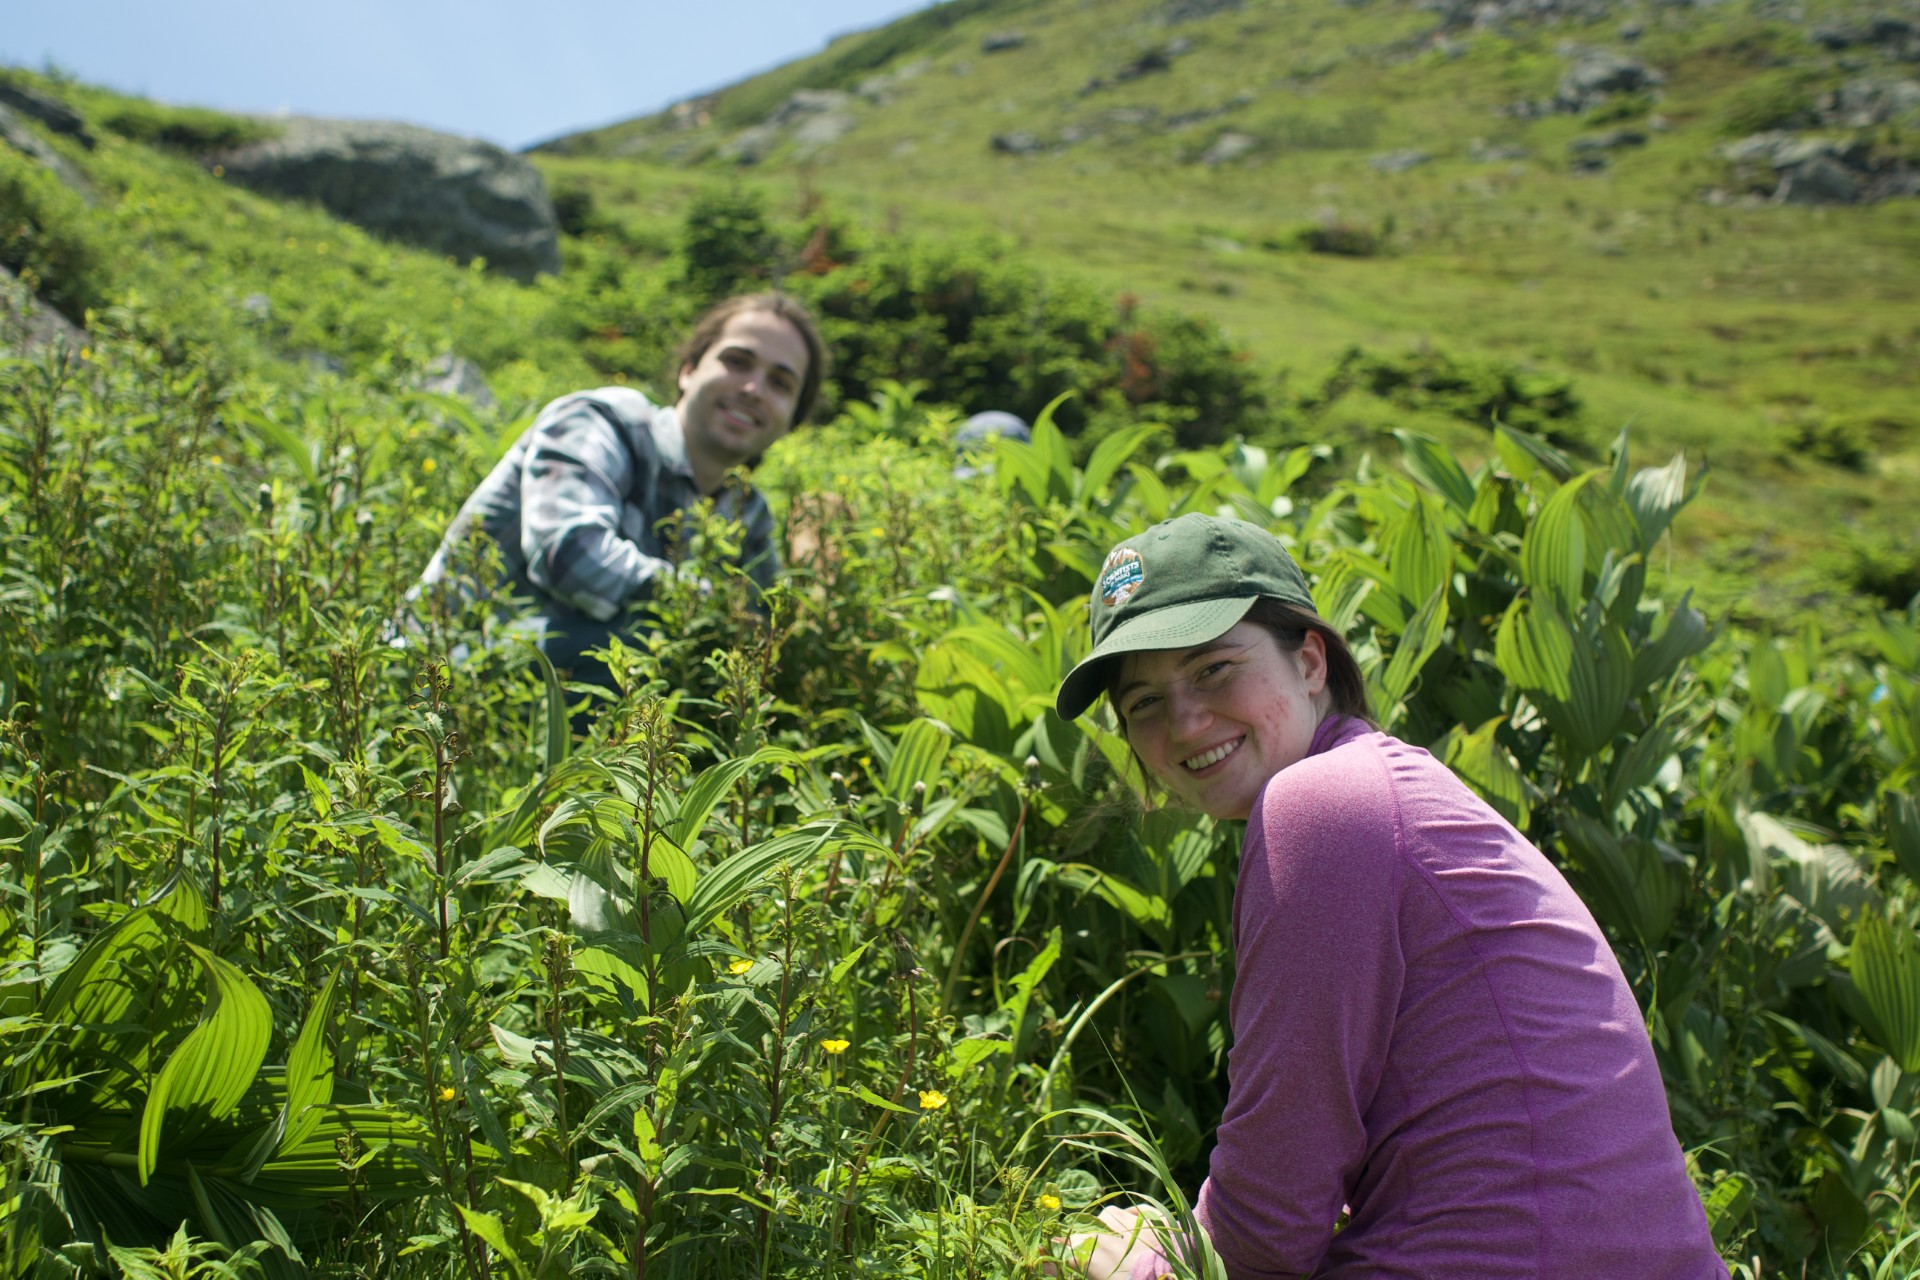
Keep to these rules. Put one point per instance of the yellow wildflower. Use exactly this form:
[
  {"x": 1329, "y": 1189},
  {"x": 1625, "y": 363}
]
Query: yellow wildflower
[
  {"x": 1051, "y": 1203},
  {"x": 446, "y": 1093},
  {"x": 428, "y": 465},
  {"x": 739, "y": 967},
  {"x": 835, "y": 1046},
  {"x": 932, "y": 1099}
]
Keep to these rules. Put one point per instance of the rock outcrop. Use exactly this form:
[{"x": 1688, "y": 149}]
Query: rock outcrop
[
  {"x": 454, "y": 195},
  {"x": 27, "y": 324},
  {"x": 1797, "y": 169},
  {"x": 47, "y": 109}
]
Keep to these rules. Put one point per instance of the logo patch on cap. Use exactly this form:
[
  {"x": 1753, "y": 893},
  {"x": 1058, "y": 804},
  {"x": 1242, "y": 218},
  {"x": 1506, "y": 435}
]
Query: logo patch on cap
[{"x": 1120, "y": 576}]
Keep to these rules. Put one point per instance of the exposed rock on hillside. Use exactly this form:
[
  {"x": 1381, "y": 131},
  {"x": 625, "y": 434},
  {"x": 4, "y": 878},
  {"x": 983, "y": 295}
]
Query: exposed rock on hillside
[
  {"x": 1187, "y": 10},
  {"x": 454, "y": 195},
  {"x": 15, "y": 132},
  {"x": 1792, "y": 169},
  {"x": 47, "y": 109},
  {"x": 1897, "y": 36},
  {"x": 28, "y": 324},
  {"x": 810, "y": 117},
  {"x": 1598, "y": 75},
  {"x": 1870, "y": 101}
]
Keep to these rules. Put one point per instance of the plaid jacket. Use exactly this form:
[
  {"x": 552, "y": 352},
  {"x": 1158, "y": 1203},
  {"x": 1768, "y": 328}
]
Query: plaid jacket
[{"x": 577, "y": 504}]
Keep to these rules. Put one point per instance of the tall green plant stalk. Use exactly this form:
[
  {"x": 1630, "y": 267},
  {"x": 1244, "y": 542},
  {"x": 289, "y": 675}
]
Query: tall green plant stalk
[{"x": 1029, "y": 786}]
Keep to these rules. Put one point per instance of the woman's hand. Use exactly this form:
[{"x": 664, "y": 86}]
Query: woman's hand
[{"x": 1129, "y": 1238}]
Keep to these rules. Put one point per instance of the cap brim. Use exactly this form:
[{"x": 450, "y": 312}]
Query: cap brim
[{"x": 1178, "y": 626}]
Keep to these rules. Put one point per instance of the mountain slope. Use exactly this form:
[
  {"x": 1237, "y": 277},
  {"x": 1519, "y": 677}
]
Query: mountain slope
[{"x": 1501, "y": 193}]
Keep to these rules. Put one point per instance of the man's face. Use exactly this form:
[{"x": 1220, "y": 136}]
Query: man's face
[{"x": 738, "y": 398}]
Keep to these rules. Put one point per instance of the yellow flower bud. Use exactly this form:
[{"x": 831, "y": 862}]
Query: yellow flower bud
[
  {"x": 446, "y": 1093},
  {"x": 1051, "y": 1203}
]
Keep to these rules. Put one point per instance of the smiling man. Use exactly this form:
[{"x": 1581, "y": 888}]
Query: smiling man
[{"x": 578, "y": 503}]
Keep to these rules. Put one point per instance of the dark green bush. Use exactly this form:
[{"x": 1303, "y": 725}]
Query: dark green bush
[
  {"x": 193, "y": 130},
  {"x": 1776, "y": 100},
  {"x": 44, "y": 237},
  {"x": 1475, "y": 391},
  {"x": 1837, "y": 442}
]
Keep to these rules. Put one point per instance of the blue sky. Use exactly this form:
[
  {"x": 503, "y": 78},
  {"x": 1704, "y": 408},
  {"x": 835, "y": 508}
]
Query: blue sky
[{"x": 511, "y": 73}]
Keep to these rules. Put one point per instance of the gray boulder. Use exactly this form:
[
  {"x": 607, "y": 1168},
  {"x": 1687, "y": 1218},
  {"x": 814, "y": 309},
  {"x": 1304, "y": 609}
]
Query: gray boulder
[
  {"x": 453, "y": 195},
  {"x": 1001, "y": 41},
  {"x": 1598, "y": 75},
  {"x": 1821, "y": 179},
  {"x": 1794, "y": 169},
  {"x": 1227, "y": 147},
  {"x": 28, "y": 324},
  {"x": 1871, "y": 100},
  {"x": 1018, "y": 143},
  {"x": 1399, "y": 161},
  {"x": 451, "y": 375}
]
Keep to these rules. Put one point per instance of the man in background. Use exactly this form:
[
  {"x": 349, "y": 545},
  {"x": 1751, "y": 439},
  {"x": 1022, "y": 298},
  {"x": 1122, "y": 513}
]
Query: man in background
[{"x": 578, "y": 503}]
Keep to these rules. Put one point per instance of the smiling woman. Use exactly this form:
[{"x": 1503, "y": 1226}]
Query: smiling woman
[{"x": 1430, "y": 1032}]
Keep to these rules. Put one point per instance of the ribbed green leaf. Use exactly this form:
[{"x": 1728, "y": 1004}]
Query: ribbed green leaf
[
  {"x": 310, "y": 1068},
  {"x": 917, "y": 757},
  {"x": 207, "y": 1075},
  {"x": 1901, "y": 810},
  {"x": 1886, "y": 969},
  {"x": 1553, "y": 556},
  {"x": 1415, "y": 646},
  {"x": 1051, "y": 446},
  {"x": 1491, "y": 770},
  {"x": 1433, "y": 464},
  {"x": 1624, "y": 879},
  {"x": 1534, "y": 649},
  {"x": 559, "y": 736},
  {"x": 123, "y": 967},
  {"x": 1111, "y": 454},
  {"x": 1684, "y": 635},
  {"x": 1523, "y": 454},
  {"x": 1419, "y": 550},
  {"x": 698, "y": 800},
  {"x": 392, "y": 1156},
  {"x": 1656, "y": 495},
  {"x": 730, "y": 881},
  {"x": 1599, "y": 676}
]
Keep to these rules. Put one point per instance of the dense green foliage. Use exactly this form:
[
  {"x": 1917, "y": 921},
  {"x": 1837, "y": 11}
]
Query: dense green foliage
[{"x": 831, "y": 948}]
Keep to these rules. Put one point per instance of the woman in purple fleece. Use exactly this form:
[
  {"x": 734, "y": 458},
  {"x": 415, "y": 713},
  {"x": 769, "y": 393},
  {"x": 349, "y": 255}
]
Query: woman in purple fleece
[{"x": 1429, "y": 1029}]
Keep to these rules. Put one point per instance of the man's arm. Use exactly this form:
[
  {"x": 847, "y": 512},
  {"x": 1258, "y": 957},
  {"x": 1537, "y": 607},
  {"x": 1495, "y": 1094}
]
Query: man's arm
[{"x": 572, "y": 491}]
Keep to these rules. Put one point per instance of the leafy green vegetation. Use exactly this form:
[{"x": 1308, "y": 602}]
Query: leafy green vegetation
[{"x": 831, "y": 949}]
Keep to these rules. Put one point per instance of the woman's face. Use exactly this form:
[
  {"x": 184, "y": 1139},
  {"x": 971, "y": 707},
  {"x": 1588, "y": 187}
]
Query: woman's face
[{"x": 1214, "y": 722}]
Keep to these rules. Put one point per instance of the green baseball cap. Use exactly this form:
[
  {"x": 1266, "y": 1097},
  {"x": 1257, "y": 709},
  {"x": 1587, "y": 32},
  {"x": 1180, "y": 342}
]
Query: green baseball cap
[{"x": 1181, "y": 583}]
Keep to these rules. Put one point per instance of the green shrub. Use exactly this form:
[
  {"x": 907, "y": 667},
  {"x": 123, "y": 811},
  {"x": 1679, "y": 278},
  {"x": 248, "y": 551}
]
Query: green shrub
[
  {"x": 1479, "y": 392},
  {"x": 1838, "y": 442},
  {"x": 1771, "y": 100},
  {"x": 192, "y": 130},
  {"x": 1341, "y": 239},
  {"x": 46, "y": 237}
]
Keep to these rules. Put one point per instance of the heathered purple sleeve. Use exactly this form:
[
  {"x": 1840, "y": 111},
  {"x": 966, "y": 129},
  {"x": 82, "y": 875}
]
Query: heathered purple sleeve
[{"x": 1318, "y": 977}]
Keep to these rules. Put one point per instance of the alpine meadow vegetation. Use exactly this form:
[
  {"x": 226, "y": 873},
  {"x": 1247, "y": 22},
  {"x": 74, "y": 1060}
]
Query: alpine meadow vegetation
[{"x": 328, "y": 949}]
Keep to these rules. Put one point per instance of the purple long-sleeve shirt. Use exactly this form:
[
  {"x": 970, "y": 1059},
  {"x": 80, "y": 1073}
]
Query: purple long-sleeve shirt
[{"x": 1430, "y": 1028}]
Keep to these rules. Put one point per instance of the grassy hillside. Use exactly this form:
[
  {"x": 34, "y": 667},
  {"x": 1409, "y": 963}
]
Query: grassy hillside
[{"x": 1775, "y": 342}]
